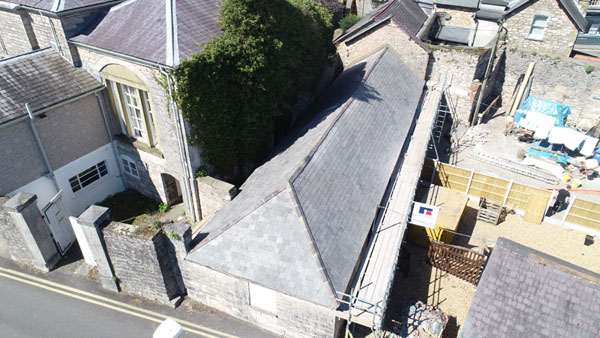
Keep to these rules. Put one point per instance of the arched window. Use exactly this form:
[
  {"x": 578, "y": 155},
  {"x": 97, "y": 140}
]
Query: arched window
[
  {"x": 130, "y": 166},
  {"x": 538, "y": 26},
  {"x": 131, "y": 102}
]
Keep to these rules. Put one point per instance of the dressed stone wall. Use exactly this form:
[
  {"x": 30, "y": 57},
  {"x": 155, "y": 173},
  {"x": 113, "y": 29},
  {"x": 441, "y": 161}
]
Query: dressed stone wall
[
  {"x": 13, "y": 34},
  {"x": 166, "y": 157},
  {"x": 561, "y": 80},
  {"x": 213, "y": 194},
  {"x": 387, "y": 35},
  {"x": 294, "y": 317},
  {"x": 559, "y": 35}
]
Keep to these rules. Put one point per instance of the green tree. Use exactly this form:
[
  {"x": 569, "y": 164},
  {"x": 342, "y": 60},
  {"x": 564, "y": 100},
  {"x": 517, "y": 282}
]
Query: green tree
[
  {"x": 235, "y": 90},
  {"x": 349, "y": 21}
]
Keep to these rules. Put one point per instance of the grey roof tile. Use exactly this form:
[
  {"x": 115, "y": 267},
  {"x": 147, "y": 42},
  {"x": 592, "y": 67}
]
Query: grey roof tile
[
  {"x": 138, "y": 28},
  {"x": 459, "y": 3},
  {"x": 525, "y": 293},
  {"x": 336, "y": 166},
  {"x": 406, "y": 13},
  {"x": 40, "y": 78}
]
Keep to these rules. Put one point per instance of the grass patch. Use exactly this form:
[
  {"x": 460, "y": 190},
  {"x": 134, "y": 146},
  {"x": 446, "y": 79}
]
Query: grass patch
[{"x": 131, "y": 207}]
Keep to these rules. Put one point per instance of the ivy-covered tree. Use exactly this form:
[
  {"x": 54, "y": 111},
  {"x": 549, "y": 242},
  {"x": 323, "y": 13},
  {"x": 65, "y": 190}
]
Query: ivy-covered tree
[{"x": 234, "y": 91}]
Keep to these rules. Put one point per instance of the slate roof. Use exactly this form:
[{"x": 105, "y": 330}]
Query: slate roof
[
  {"x": 525, "y": 293},
  {"x": 301, "y": 219},
  {"x": 407, "y": 14},
  {"x": 59, "y": 5},
  {"x": 42, "y": 78},
  {"x": 143, "y": 29}
]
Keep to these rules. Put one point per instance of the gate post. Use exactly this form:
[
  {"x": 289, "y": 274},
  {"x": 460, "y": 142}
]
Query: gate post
[
  {"x": 29, "y": 223},
  {"x": 92, "y": 221}
]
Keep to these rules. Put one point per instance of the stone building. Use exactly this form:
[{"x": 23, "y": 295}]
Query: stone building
[
  {"x": 28, "y": 25},
  {"x": 54, "y": 141},
  {"x": 397, "y": 24},
  {"x": 286, "y": 250}
]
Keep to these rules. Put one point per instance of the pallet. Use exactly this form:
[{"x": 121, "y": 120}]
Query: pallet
[{"x": 489, "y": 211}]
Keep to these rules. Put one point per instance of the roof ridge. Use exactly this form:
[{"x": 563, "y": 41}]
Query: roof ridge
[
  {"x": 313, "y": 243},
  {"x": 172, "y": 43},
  {"x": 343, "y": 109}
]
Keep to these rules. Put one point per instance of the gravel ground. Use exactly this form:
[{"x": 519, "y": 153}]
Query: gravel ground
[{"x": 453, "y": 295}]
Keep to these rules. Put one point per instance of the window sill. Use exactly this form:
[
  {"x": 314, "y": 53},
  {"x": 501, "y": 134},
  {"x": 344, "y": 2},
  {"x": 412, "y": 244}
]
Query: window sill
[
  {"x": 139, "y": 145},
  {"x": 535, "y": 39}
]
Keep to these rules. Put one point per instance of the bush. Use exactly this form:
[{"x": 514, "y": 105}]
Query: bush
[
  {"x": 589, "y": 69},
  {"x": 247, "y": 80},
  {"x": 349, "y": 21}
]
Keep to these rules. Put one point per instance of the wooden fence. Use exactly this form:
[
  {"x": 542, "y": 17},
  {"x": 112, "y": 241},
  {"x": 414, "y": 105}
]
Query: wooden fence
[
  {"x": 532, "y": 201},
  {"x": 460, "y": 262}
]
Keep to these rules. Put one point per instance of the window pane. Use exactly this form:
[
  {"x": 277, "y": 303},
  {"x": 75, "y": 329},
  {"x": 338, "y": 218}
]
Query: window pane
[
  {"x": 536, "y": 32},
  {"x": 125, "y": 165},
  {"x": 540, "y": 21}
]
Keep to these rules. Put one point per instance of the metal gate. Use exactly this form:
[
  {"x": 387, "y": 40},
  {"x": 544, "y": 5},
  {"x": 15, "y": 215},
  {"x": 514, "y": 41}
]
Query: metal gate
[{"x": 61, "y": 229}]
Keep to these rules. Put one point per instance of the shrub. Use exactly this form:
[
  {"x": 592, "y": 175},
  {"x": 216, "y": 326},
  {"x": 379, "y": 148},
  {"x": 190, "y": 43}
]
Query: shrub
[
  {"x": 163, "y": 207},
  {"x": 589, "y": 69},
  {"x": 349, "y": 21}
]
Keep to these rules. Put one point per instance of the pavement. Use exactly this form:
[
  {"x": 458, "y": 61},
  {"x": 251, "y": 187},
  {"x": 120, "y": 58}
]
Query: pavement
[{"x": 62, "y": 303}]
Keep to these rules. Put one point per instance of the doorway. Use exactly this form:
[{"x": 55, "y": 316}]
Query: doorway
[
  {"x": 59, "y": 225},
  {"x": 172, "y": 189}
]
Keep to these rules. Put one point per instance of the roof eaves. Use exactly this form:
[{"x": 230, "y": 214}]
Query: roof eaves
[
  {"x": 571, "y": 8},
  {"x": 334, "y": 299}
]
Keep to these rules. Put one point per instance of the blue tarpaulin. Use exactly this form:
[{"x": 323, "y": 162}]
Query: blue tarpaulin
[{"x": 546, "y": 107}]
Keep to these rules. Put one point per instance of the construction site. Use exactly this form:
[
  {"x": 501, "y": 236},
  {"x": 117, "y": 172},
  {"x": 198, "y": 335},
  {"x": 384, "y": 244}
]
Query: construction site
[{"x": 519, "y": 170}]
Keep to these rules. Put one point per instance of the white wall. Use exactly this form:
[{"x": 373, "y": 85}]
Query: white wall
[{"x": 76, "y": 203}]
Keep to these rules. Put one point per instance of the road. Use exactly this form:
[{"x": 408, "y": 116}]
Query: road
[{"x": 34, "y": 307}]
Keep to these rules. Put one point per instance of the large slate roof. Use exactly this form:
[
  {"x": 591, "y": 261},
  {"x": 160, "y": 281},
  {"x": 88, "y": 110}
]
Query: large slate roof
[
  {"x": 42, "y": 78},
  {"x": 301, "y": 219},
  {"x": 59, "y": 5},
  {"x": 407, "y": 14},
  {"x": 158, "y": 31},
  {"x": 525, "y": 293}
]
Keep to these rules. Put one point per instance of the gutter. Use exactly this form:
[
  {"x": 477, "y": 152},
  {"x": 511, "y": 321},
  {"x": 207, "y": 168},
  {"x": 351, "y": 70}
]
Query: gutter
[
  {"x": 133, "y": 59},
  {"x": 11, "y": 6}
]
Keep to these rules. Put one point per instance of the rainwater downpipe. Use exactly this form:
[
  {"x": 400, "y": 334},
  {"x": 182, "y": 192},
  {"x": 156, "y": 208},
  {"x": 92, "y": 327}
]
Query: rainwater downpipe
[
  {"x": 110, "y": 138},
  {"x": 51, "y": 25},
  {"x": 184, "y": 154},
  {"x": 41, "y": 148}
]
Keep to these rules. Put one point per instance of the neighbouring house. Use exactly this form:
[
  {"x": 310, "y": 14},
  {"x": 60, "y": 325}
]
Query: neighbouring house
[
  {"x": 547, "y": 27},
  {"x": 399, "y": 24},
  {"x": 27, "y": 25},
  {"x": 287, "y": 249},
  {"x": 526, "y": 293},
  {"x": 131, "y": 50},
  {"x": 54, "y": 139},
  {"x": 588, "y": 40}
]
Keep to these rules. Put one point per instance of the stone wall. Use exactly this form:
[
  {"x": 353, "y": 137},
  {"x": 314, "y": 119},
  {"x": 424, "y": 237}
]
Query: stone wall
[
  {"x": 67, "y": 133},
  {"x": 463, "y": 69},
  {"x": 11, "y": 238},
  {"x": 166, "y": 157},
  {"x": 294, "y": 317},
  {"x": 459, "y": 16},
  {"x": 387, "y": 35},
  {"x": 143, "y": 261},
  {"x": 559, "y": 35},
  {"x": 561, "y": 80},
  {"x": 13, "y": 34},
  {"x": 213, "y": 194}
]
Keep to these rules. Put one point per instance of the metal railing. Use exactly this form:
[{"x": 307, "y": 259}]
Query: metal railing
[{"x": 594, "y": 3}]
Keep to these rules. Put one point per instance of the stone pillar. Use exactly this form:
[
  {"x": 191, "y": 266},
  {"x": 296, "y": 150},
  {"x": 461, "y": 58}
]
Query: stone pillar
[
  {"x": 92, "y": 221},
  {"x": 179, "y": 243},
  {"x": 36, "y": 234}
]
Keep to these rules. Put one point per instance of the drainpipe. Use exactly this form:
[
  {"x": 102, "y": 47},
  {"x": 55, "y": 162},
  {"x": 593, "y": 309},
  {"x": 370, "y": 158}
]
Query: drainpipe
[
  {"x": 41, "y": 148},
  {"x": 185, "y": 157},
  {"x": 51, "y": 25},
  {"x": 110, "y": 138}
]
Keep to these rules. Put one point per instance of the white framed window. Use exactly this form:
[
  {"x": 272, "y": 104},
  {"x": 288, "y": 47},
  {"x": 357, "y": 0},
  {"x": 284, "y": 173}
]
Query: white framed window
[
  {"x": 88, "y": 176},
  {"x": 538, "y": 26},
  {"x": 133, "y": 109},
  {"x": 129, "y": 166},
  {"x": 263, "y": 298}
]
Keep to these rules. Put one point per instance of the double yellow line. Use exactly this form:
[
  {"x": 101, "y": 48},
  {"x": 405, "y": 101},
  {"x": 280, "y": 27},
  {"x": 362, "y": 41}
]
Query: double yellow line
[{"x": 109, "y": 303}]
